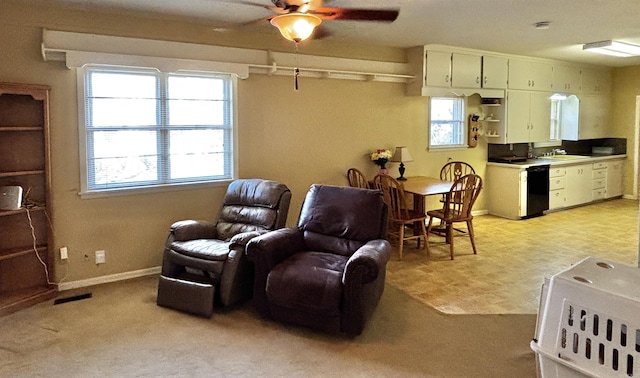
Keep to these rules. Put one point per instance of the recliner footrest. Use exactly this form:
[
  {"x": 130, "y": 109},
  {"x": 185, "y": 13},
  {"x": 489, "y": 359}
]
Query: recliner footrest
[{"x": 187, "y": 296}]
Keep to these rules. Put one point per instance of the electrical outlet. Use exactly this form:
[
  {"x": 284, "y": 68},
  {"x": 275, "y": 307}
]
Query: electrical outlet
[
  {"x": 64, "y": 253},
  {"x": 101, "y": 257}
]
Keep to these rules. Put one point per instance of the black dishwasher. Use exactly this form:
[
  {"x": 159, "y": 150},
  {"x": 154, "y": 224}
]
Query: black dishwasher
[{"x": 537, "y": 190}]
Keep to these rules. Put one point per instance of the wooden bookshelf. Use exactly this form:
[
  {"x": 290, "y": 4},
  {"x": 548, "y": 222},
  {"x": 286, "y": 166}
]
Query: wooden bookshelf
[{"x": 24, "y": 161}]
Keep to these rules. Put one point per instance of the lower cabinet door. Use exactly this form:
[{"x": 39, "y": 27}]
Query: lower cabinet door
[
  {"x": 557, "y": 199},
  {"x": 599, "y": 194}
]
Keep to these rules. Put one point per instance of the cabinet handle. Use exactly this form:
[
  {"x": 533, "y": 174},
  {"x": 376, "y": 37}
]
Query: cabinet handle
[
  {"x": 446, "y": 79},
  {"x": 478, "y": 80},
  {"x": 485, "y": 80},
  {"x": 533, "y": 83}
]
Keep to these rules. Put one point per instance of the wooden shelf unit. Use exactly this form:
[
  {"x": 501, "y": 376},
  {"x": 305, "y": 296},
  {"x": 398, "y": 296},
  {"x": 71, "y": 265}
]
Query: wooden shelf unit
[{"x": 24, "y": 161}]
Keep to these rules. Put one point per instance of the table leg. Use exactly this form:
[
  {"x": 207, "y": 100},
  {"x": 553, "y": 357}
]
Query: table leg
[
  {"x": 418, "y": 203},
  {"x": 418, "y": 207}
]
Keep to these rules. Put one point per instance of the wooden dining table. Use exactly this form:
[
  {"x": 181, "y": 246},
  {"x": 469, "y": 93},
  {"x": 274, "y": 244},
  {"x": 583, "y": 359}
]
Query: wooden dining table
[{"x": 422, "y": 186}]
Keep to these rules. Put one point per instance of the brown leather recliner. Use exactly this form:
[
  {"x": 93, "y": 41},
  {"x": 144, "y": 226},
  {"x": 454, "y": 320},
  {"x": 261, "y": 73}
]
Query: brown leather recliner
[
  {"x": 204, "y": 262},
  {"x": 327, "y": 273}
]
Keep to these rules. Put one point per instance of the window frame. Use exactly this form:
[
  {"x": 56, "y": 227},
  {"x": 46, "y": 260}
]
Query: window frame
[
  {"x": 230, "y": 151},
  {"x": 463, "y": 134}
]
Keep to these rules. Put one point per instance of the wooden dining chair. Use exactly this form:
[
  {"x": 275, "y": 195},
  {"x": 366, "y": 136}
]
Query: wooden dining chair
[
  {"x": 457, "y": 208},
  {"x": 357, "y": 179},
  {"x": 400, "y": 216},
  {"x": 453, "y": 170}
]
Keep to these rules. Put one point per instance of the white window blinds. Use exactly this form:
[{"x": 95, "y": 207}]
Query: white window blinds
[{"x": 146, "y": 128}]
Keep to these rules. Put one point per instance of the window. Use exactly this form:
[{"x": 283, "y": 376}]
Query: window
[
  {"x": 145, "y": 128},
  {"x": 447, "y": 123}
]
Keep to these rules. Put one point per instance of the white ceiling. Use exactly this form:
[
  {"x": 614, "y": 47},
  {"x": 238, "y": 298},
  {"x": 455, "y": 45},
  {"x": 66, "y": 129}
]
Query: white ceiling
[{"x": 505, "y": 26}]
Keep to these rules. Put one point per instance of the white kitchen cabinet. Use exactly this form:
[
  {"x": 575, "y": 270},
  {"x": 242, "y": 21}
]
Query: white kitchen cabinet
[
  {"x": 599, "y": 180},
  {"x": 594, "y": 116},
  {"x": 566, "y": 79},
  {"x": 596, "y": 81},
  {"x": 615, "y": 178},
  {"x": 466, "y": 70},
  {"x": 579, "y": 184},
  {"x": 586, "y": 117},
  {"x": 530, "y": 75},
  {"x": 446, "y": 69},
  {"x": 557, "y": 188},
  {"x": 528, "y": 116},
  {"x": 495, "y": 72},
  {"x": 506, "y": 188},
  {"x": 438, "y": 69}
]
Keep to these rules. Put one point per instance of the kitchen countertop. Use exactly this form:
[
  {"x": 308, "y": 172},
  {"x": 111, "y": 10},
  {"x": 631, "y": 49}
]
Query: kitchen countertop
[{"x": 556, "y": 162}]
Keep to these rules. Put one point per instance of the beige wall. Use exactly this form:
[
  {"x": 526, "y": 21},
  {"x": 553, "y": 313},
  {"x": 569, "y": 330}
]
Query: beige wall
[
  {"x": 626, "y": 82},
  {"x": 310, "y": 136},
  {"x": 304, "y": 137}
]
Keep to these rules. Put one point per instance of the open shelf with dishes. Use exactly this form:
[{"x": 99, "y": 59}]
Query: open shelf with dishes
[
  {"x": 492, "y": 119},
  {"x": 26, "y": 259}
]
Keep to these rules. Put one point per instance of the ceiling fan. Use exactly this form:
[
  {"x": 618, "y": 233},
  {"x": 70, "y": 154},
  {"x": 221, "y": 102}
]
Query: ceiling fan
[{"x": 297, "y": 19}]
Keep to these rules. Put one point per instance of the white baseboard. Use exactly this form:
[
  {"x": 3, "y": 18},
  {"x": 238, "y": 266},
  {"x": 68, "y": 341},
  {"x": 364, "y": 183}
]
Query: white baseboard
[{"x": 110, "y": 278}]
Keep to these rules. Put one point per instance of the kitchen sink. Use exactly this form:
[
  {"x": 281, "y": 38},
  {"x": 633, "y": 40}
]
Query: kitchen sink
[{"x": 566, "y": 157}]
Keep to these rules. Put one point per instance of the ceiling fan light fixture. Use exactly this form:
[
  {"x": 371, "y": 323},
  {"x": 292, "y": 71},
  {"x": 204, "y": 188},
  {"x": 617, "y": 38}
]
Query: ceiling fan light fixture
[
  {"x": 613, "y": 48},
  {"x": 296, "y": 27}
]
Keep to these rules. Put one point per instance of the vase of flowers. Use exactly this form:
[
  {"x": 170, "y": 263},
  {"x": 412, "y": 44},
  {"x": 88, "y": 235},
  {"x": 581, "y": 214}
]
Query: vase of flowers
[{"x": 380, "y": 157}]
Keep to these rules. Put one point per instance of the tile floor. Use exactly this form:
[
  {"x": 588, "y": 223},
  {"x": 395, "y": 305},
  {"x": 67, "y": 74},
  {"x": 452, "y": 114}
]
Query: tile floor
[{"x": 513, "y": 258}]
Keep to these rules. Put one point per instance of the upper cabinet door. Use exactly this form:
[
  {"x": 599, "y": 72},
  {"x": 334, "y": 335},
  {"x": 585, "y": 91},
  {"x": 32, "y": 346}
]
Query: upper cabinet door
[
  {"x": 539, "y": 117},
  {"x": 438, "y": 69},
  {"x": 465, "y": 70},
  {"x": 596, "y": 81},
  {"x": 518, "y": 117},
  {"x": 495, "y": 71},
  {"x": 594, "y": 111},
  {"x": 566, "y": 79},
  {"x": 530, "y": 75}
]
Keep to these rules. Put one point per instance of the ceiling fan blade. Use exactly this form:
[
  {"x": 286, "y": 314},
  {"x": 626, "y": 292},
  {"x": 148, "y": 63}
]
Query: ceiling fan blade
[
  {"x": 380, "y": 15},
  {"x": 272, "y": 8}
]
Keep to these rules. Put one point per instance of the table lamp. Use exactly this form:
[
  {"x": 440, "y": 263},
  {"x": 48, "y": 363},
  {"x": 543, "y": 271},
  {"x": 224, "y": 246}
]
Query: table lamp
[{"x": 401, "y": 155}]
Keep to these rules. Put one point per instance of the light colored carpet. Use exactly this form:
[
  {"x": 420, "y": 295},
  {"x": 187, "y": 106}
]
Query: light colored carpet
[{"x": 120, "y": 332}]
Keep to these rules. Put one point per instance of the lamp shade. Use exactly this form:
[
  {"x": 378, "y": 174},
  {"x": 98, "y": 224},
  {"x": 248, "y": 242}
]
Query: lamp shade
[
  {"x": 296, "y": 26},
  {"x": 401, "y": 154}
]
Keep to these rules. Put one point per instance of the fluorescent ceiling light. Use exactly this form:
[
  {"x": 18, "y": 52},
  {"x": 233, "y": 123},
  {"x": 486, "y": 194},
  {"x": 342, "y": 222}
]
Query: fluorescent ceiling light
[{"x": 613, "y": 48}]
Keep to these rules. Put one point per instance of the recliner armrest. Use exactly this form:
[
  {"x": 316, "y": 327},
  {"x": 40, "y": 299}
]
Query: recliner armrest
[
  {"x": 243, "y": 238},
  {"x": 269, "y": 249},
  {"x": 193, "y": 229},
  {"x": 369, "y": 259}
]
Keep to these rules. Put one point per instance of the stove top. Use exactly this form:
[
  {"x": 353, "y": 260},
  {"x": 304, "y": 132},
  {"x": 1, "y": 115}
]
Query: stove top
[{"x": 509, "y": 159}]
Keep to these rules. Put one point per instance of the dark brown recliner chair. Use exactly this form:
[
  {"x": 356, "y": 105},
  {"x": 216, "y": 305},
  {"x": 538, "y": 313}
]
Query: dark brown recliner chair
[
  {"x": 205, "y": 262},
  {"x": 327, "y": 273}
]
